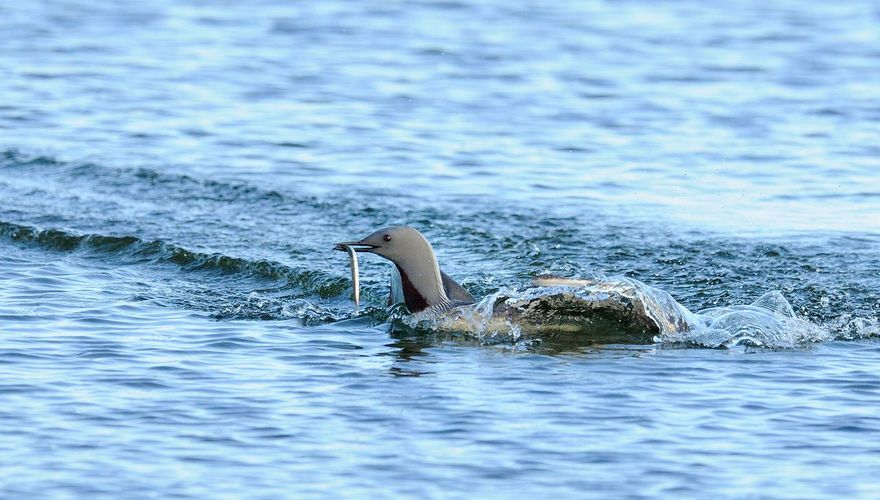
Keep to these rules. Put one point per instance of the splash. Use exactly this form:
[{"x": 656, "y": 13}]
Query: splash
[{"x": 769, "y": 321}]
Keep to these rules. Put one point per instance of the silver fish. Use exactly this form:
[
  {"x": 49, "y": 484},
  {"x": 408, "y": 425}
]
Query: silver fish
[{"x": 355, "y": 279}]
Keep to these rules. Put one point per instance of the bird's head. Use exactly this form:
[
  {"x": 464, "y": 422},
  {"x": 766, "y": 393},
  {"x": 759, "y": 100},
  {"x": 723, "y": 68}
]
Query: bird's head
[{"x": 401, "y": 245}]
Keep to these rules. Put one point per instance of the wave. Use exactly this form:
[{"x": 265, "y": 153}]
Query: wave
[
  {"x": 137, "y": 250},
  {"x": 98, "y": 199},
  {"x": 285, "y": 291}
]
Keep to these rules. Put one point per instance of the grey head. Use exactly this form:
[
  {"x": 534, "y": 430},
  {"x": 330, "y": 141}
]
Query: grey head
[{"x": 418, "y": 280}]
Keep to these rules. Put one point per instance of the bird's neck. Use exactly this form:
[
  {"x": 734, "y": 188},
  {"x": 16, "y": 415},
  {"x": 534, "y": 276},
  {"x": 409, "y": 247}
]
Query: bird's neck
[{"x": 420, "y": 284}]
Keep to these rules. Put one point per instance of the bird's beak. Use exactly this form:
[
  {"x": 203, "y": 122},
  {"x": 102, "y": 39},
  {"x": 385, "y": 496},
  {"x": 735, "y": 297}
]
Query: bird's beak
[{"x": 358, "y": 246}]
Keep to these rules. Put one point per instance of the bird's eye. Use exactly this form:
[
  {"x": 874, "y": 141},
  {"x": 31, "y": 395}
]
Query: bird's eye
[{"x": 387, "y": 237}]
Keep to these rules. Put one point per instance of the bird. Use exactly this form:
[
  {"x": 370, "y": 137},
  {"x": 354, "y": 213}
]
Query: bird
[
  {"x": 570, "y": 311},
  {"x": 550, "y": 306}
]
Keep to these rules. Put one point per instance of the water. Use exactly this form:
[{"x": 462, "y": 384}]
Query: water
[{"x": 173, "y": 176}]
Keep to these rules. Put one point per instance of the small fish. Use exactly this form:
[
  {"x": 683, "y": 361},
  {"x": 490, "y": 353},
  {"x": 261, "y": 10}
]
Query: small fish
[{"x": 355, "y": 279}]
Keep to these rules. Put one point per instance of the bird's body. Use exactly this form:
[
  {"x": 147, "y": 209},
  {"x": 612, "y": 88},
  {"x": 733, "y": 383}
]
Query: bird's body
[{"x": 603, "y": 310}]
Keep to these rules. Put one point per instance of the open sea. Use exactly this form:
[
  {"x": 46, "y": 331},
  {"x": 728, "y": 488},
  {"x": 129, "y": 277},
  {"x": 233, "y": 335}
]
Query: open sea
[{"x": 174, "y": 174}]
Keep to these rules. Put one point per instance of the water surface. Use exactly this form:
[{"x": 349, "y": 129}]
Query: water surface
[{"x": 173, "y": 175}]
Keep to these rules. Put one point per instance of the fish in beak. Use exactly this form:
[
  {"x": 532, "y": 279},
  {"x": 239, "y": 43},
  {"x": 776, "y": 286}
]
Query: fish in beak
[{"x": 355, "y": 274}]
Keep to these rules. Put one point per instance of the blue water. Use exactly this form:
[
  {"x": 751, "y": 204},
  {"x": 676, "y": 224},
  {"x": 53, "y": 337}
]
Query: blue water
[{"x": 173, "y": 175}]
